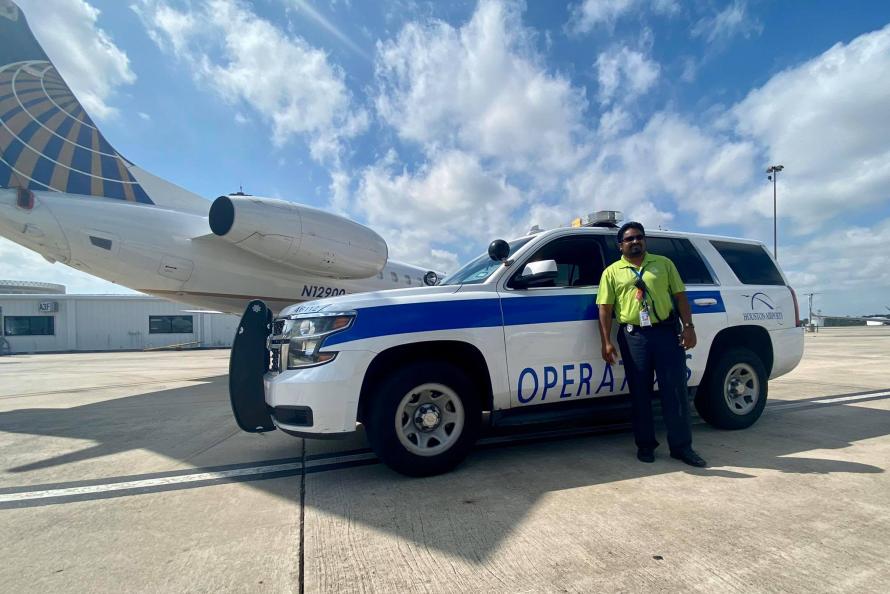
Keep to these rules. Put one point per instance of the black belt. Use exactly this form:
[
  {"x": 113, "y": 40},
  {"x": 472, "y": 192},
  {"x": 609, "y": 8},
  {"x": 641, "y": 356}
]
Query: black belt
[{"x": 671, "y": 319}]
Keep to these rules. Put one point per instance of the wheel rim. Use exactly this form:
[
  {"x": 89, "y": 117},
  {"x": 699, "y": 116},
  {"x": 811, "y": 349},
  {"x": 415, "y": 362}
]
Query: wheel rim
[
  {"x": 429, "y": 419},
  {"x": 741, "y": 389}
]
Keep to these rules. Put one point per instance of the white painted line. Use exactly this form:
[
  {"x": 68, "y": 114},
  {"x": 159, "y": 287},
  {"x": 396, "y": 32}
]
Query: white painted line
[
  {"x": 149, "y": 483},
  {"x": 852, "y": 398},
  {"x": 155, "y": 483},
  {"x": 855, "y": 398},
  {"x": 197, "y": 477}
]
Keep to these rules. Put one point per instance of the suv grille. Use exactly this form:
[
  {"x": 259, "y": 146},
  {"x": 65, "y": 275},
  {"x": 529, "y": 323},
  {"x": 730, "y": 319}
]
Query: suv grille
[
  {"x": 278, "y": 327},
  {"x": 277, "y": 346}
]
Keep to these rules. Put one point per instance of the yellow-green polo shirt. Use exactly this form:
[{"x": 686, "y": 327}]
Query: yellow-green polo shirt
[{"x": 617, "y": 287}]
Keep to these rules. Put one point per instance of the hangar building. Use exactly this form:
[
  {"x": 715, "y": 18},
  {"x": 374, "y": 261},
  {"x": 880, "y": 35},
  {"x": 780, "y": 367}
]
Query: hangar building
[{"x": 40, "y": 317}]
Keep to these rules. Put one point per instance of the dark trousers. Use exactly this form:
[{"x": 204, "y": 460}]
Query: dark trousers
[{"x": 657, "y": 349}]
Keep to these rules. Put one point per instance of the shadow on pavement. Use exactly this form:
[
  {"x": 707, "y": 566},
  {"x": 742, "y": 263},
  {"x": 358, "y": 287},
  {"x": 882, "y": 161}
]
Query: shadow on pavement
[
  {"x": 467, "y": 512},
  {"x": 179, "y": 423}
]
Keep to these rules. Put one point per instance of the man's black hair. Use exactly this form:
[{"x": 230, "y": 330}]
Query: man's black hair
[{"x": 630, "y": 225}]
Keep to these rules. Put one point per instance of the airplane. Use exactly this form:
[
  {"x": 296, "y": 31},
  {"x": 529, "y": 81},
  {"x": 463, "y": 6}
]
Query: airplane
[
  {"x": 68, "y": 195},
  {"x": 869, "y": 320}
]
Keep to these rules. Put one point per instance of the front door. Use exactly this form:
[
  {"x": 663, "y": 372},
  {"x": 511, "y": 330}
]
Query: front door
[{"x": 552, "y": 338}]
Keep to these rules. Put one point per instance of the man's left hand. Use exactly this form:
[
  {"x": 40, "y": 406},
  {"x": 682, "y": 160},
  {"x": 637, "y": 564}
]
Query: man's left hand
[{"x": 688, "y": 339}]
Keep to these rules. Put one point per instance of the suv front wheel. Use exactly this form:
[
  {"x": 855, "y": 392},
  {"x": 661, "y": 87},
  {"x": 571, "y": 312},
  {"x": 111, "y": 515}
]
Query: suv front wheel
[
  {"x": 733, "y": 394},
  {"x": 424, "y": 418}
]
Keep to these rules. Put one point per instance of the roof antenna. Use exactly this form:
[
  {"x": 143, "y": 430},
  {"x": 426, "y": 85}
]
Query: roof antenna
[{"x": 240, "y": 191}]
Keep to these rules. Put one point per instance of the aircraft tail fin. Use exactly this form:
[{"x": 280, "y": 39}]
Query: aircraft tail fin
[{"x": 48, "y": 141}]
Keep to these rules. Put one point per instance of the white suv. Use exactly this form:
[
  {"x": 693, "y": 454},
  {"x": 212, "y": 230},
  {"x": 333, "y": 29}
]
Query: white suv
[{"x": 418, "y": 367}]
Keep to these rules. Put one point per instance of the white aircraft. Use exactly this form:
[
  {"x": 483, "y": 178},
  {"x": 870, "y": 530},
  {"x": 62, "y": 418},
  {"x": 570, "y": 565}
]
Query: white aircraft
[
  {"x": 869, "y": 320},
  {"x": 68, "y": 195}
]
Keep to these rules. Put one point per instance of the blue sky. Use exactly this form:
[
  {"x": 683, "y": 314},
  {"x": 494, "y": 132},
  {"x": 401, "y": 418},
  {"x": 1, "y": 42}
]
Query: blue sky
[{"x": 443, "y": 125}]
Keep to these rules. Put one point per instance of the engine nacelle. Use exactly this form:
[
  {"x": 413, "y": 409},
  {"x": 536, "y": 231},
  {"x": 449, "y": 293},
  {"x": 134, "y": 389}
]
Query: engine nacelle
[{"x": 298, "y": 236}]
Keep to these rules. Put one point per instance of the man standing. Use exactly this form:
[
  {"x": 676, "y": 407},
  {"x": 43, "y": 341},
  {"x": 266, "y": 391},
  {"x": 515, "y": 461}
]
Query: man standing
[{"x": 639, "y": 288}]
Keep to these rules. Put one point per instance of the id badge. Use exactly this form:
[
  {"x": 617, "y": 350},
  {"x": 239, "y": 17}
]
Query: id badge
[{"x": 644, "y": 318}]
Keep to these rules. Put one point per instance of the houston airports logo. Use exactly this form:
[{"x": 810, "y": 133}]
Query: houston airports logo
[{"x": 762, "y": 308}]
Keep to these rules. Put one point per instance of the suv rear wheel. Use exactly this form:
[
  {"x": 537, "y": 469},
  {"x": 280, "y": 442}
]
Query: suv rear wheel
[
  {"x": 734, "y": 390},
  {"x": 424, "y": 418}
]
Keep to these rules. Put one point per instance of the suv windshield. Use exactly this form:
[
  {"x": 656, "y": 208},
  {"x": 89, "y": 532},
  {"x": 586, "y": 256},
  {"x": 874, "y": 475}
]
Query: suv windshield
[{"x": 479, "y": 269}]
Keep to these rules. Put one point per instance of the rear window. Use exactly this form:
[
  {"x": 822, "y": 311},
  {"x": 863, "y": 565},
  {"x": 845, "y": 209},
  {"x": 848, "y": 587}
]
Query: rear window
[
  {"x": 750, "y": 262},
  {"x": 686, "y": 258}
]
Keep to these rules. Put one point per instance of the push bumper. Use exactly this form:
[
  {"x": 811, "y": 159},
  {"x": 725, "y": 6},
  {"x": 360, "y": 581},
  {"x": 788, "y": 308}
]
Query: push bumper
[{"x": 320, "y": 401}]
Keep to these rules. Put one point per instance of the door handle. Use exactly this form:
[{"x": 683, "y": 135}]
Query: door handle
[{"x": 705, "y": 301}]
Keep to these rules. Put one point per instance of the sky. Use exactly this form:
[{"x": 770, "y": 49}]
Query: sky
[{"x": 445, "y": 125}]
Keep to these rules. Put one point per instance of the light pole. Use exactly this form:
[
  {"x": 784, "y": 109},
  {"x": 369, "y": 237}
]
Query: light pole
[
  {"x": 810, "y": 318},
  {"x": 772, "y": 174}
]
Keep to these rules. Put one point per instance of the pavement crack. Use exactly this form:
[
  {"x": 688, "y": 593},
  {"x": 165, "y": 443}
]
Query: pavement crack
[{"x": 302, "y": 566}]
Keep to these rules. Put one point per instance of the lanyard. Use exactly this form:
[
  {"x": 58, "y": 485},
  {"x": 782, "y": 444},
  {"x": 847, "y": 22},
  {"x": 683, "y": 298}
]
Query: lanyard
[{"x": 639, "y": 274}]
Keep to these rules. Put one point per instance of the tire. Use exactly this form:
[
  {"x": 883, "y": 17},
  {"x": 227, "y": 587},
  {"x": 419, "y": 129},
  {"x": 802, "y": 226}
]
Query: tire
[
  {"x": 735, "y": 390},
  {"x": 424, "y": 418}
]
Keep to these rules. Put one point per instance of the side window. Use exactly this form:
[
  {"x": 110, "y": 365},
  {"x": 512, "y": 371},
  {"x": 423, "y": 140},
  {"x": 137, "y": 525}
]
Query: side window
[
  {"x": 29, "y": 325},
  {"x": 750, "y": 262},
  {"x": 395, "y": 277},
  {"x": 685, "y": 257},
  {"x": 170, "y": 324},
  {"x": 579, "y": 261},
  {"x": 407, "y": 279}
]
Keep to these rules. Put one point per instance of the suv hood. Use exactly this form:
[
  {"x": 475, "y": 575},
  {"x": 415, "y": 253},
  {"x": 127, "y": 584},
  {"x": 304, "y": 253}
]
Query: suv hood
[{"x": 371, "y": 299}]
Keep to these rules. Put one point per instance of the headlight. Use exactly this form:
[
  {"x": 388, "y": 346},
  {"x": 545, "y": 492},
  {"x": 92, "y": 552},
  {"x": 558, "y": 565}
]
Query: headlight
[{"x": 304, "y": 337}]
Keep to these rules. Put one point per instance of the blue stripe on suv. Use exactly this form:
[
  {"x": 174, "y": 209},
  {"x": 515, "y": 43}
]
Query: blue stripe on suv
[{"x": 408, "y": 318}]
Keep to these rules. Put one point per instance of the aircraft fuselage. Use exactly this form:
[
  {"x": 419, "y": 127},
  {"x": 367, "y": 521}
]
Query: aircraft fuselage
[{"x": 168, "y": 253}]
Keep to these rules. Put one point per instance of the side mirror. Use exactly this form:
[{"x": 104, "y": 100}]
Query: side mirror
[
  {"x": 430, "y": 279},
  {"x": 498, "y": 250},
  {"x": 537, "y": 274}
]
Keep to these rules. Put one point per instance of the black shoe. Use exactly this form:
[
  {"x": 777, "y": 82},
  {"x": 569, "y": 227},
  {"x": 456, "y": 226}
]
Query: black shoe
[
  {"x": 690, "y": 457},
  {"x": 646, "y": 455}
]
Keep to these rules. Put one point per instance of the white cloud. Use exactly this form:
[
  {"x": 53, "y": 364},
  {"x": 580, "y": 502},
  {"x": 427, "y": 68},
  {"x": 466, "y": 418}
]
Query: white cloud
[
  {"x": 322, "y": 21},
  {"x": 248, "y": 60},
  {"x": 450, "y": 201},
  {"x": 690, "y": 69},
  {"x": 826, "y": 122},
  {"x": 86, "y": 57},
  {"x": 480, "y": 88},
  {"x": 840, "y": 265},
  {"x": 624, "y": 74},
  {"x": 670, "y": 164},
  {"x": 19, "y": 263},
  {"x": 666, "y": 7},
  {"x": 726, "y": 24},
  {"x": 593, "y": 13},
  {"x": 340, "y": 194},
  {"x": 614, "y": 122}
]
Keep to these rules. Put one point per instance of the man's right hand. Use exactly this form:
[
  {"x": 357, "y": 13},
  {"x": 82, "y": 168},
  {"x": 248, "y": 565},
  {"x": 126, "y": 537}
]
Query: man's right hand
[{"x": 610, "y": 355}]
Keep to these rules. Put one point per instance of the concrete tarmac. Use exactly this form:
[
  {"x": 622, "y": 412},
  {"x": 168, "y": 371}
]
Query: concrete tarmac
[{"x": 126, "y": 472}]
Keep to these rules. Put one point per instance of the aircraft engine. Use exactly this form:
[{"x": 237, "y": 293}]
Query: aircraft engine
[{"x": 305, "y": 238}]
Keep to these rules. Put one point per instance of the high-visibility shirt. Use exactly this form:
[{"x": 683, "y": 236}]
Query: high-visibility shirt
[{"x": 618, "y": 288}]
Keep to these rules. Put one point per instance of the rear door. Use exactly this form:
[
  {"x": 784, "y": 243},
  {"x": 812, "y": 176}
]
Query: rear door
[
  {"x": 703, "y": 291},
  {"x": 761, "y": 295}
]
